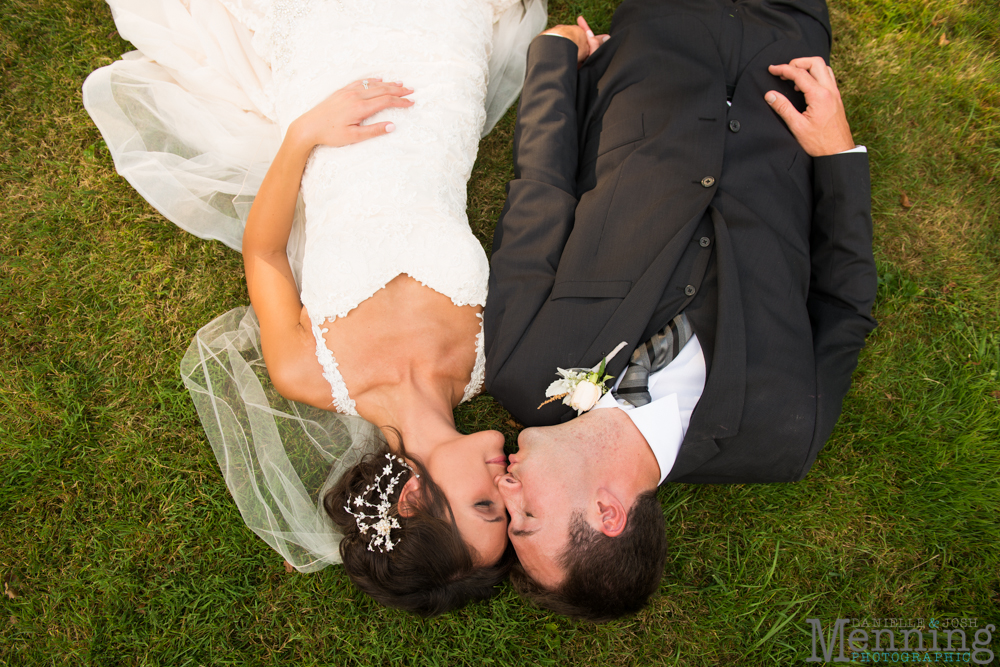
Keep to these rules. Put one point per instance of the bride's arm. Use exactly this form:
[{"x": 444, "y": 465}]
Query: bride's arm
[{"x": 334, "y": 122}]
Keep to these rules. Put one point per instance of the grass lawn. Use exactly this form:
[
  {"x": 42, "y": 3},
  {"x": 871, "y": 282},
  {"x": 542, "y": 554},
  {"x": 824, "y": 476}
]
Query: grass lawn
[{"x": 119, "y": 543}]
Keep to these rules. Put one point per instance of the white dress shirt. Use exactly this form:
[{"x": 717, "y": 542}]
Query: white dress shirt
[{"x": 675, "y": 390}]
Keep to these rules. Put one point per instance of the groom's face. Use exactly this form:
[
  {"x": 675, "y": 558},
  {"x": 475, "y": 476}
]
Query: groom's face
[{"x": 542, "y": 489}]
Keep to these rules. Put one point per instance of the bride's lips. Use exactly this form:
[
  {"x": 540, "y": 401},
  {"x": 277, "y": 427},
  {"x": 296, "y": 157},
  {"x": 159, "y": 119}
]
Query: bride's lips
[{"x": 500, "y": 460}]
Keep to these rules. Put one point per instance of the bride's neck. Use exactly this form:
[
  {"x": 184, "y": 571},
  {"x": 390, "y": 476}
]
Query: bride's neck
[{"x": 420, "y": 412}]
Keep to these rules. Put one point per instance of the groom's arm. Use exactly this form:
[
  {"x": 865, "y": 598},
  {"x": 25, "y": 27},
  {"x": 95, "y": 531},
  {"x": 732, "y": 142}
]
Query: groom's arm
[
  {"x": 843, "y": 282},
  {"x": 843, "y": 279},
  {"x": 541, "y": 200}
]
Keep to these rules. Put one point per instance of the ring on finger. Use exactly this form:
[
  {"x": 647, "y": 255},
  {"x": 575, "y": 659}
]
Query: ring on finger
[{"x": 365, "y": 83}]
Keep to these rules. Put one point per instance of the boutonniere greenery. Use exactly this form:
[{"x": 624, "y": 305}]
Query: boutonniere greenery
[{"x": 581, "y": 388}]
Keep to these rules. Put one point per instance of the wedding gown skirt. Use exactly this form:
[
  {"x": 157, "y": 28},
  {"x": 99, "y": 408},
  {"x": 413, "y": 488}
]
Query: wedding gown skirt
[{"x": 193, "y": 120}]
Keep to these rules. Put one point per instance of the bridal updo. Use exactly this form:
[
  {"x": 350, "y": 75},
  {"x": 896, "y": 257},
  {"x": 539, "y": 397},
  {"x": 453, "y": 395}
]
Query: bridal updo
[{"x": 429, "y": 569}]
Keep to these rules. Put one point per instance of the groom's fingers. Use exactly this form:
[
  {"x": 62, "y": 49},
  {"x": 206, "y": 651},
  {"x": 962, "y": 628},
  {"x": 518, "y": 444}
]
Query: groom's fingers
[
  {"x": 803, "y": 78},
  {"x": 793, "y": 119},
  {"x": 823, "y": 128},
  {"x": 817, "y": 67}
]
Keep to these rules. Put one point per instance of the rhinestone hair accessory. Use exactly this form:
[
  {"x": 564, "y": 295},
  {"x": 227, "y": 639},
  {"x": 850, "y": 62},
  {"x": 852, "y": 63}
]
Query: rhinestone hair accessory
[{"x": 375, "y": 517}]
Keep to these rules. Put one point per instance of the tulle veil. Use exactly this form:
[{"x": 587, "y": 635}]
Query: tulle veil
[{"x": 188, "y": 122}]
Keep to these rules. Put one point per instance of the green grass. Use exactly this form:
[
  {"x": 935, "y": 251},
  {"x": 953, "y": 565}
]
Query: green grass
[{"x": 119, "y": 544}]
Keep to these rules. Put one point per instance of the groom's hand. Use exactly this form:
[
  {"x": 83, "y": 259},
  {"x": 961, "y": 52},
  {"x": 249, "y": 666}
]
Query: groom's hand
[
  {"x": 581, "y": 34},
  {"x": 823, "y": 128}
]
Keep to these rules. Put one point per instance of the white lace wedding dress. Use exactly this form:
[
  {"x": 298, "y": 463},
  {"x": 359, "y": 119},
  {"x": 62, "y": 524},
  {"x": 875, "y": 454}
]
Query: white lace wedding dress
[{"x": 193, "y": 119}]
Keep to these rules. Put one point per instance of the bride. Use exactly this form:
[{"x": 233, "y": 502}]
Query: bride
[{"x": 366, "y": 283}]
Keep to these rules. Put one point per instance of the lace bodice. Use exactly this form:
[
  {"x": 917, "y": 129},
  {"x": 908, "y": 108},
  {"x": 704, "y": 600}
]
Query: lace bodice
[{"x": 394, "y": 204}]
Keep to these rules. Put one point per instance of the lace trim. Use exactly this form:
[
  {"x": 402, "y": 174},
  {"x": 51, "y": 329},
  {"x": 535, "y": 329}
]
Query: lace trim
[
  {"x": 479, "y": 370},
  {"x": 338, "y": 388}
]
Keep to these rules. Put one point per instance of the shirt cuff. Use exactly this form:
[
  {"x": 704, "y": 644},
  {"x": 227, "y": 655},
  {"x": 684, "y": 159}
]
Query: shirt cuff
[{"x": 856, "y": 149}]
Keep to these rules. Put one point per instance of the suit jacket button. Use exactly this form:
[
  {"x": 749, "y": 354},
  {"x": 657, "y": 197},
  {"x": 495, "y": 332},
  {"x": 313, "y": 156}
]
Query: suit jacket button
[
  {"x": 708, "y": 181},
  {"x": 690, "y": 290},
  {"x": 734, "y": 125},
  {"x": 704, "y": 241}
]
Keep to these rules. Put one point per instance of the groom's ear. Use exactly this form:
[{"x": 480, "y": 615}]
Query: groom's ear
[
  {"x": 612, "y": 514},
  {"x": 409, "y": 497}
]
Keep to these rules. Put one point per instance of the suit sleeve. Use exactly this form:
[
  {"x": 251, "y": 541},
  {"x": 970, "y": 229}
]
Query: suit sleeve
[
  {"x": 541, "y": 200},
  {"x": 843, "y": 282}
]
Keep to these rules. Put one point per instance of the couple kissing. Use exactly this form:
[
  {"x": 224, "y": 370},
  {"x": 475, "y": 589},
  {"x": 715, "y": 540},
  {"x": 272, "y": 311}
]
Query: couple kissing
[{"x": 683, "y": 268}]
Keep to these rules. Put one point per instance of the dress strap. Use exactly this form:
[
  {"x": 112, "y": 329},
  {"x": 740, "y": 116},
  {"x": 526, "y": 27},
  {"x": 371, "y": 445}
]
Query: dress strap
[{"x": 341, "y": 399}]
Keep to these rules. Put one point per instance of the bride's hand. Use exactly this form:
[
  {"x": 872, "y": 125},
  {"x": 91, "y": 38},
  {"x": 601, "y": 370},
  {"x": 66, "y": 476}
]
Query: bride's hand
[{"x": 336, "y": 121}]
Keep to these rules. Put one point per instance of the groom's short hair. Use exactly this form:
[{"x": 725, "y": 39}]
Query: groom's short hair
[{"x": 606, "y": 577}]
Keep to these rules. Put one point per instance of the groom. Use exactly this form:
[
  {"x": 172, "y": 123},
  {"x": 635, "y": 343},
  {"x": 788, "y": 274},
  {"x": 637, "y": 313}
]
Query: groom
[{"x": 680, "y": 193}]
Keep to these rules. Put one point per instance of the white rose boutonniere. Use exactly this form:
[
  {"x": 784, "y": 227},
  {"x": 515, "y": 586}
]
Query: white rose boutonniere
[{"x": 581, "y": 388}]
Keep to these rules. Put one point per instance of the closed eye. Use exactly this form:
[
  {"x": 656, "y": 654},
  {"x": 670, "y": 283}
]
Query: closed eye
[{"x": 485, "y": 506}]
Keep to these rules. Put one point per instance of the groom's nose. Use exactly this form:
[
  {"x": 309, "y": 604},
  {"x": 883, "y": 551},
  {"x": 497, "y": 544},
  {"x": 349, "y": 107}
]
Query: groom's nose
[
  {"x": 507, "y": 481},
  {"x": 507, "y": 486}
]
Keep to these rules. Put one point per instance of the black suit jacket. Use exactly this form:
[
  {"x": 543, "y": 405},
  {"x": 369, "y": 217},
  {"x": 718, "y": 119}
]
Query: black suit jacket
[{"x": 639, "y": 193}]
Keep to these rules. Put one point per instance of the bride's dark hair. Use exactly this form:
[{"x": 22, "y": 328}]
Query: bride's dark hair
[{"x": 430, "y": 569}]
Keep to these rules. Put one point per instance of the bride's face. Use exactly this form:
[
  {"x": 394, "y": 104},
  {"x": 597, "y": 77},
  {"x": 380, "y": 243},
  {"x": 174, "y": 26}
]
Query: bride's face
[{"x": 466, "y": 469}]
